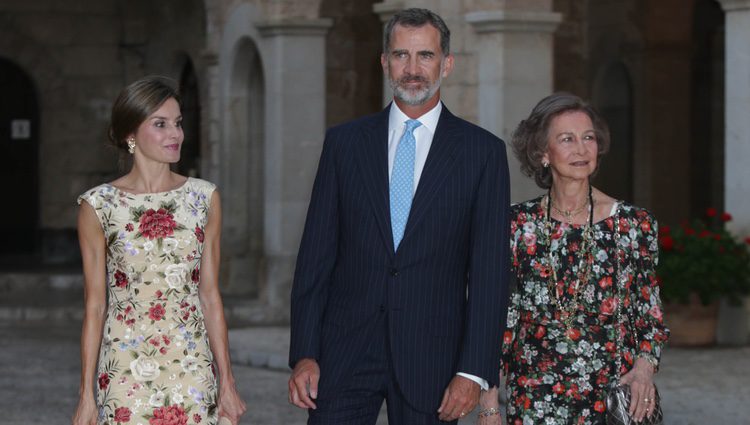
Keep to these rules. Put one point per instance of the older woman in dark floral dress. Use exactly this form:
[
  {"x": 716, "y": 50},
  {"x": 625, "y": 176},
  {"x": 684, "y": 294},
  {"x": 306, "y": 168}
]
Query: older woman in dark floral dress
[{"x": 560, "y": 347}]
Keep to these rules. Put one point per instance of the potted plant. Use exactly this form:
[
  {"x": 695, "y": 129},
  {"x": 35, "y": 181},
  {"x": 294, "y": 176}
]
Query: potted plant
[{"x": 700, "y": 262}]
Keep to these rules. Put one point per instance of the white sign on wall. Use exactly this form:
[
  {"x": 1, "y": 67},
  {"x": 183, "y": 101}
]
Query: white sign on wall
[{"x": 20, "y": 129}]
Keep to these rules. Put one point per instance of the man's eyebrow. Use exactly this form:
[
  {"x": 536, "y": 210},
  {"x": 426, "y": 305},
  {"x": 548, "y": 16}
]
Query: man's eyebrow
[{"x": 425, "y": 52}]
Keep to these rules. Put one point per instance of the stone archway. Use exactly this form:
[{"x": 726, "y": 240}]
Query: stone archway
[
  {"x": 354, "y": 77},
  {"x": 245, "y": 168},
  {"x": 613, "y": 97}
]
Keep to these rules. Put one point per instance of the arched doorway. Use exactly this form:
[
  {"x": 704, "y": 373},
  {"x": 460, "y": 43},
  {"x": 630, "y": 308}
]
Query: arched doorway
[
  {"x": 707, "y": 108},
  {"x": 354, "y": 77},
  {"x": 245, "y": 172},
  {"x": 190, "y": 156},
  {"x": 612, "y": 96},
  {"x": 19, "y": 144}
]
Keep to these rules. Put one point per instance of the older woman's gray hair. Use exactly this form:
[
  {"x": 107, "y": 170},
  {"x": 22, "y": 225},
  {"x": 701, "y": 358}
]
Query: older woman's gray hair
[{"x": 530, "y": 139}]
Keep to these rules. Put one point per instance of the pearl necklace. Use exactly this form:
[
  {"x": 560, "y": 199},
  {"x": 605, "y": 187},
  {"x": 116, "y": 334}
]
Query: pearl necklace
[{"x": 567, "y": 312}]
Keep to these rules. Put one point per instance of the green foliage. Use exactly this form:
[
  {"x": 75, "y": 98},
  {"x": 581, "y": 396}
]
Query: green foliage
[{"x": 702, "y": 257}]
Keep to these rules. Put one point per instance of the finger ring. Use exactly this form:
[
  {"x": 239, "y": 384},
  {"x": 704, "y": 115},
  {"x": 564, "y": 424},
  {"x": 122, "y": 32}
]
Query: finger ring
[{"x": 462, "y": 414}]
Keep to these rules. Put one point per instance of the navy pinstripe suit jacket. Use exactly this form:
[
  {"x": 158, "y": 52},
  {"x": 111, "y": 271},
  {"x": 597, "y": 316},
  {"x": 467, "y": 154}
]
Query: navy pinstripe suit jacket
[{"x": 444, "y": 291}]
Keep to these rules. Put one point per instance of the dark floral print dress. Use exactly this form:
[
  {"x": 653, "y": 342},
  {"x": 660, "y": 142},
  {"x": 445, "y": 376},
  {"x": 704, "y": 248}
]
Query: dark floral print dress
[
  {"x": 155, "y": 364},
  {"x": 559, "y": 374}
]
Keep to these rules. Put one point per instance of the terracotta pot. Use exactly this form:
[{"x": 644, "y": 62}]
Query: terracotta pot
[{"x": 692, "y": 324}]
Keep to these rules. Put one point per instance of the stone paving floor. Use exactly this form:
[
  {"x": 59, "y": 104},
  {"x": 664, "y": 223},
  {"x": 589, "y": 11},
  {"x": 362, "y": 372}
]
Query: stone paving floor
[{"x": 39, "y": 375}]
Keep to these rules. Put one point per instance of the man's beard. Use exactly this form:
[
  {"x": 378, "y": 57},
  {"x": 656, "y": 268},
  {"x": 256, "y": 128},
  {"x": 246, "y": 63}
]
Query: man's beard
[{"x": 414, "y": 97}]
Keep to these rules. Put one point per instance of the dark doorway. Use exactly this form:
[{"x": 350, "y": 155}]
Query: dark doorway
[
  {"x": 707, "y": 109},
  {"x": 19, "y": 140},
  {"x": 190, "y": 155},
  {"x": 613, "y": 98}
]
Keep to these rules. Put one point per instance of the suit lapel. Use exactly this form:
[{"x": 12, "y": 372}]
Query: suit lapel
[
  {"x": 372, "y": 160},
  {"x": 442, "y": 153}
]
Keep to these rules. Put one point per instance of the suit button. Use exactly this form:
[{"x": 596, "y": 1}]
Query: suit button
[
  {"x": 394, "y": 272},
  {"x": 382, "y": 309}
]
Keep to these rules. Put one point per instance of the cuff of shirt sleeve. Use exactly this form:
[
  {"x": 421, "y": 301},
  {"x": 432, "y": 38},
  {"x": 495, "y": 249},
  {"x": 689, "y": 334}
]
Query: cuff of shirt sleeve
[{"x": 482, "y": 382}]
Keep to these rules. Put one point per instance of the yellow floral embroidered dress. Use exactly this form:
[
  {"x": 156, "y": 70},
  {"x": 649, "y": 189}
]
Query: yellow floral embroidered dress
[{"x": 155, "y": 365}]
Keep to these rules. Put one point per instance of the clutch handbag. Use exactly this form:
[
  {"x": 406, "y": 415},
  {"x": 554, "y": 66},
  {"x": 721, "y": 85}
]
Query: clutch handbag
[
  {"x": 618, "y": 395},
  {"x": 618, "y": 403}
]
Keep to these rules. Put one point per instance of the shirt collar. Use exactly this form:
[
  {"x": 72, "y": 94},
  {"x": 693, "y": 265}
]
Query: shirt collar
[{"x": 397, "y": 118}]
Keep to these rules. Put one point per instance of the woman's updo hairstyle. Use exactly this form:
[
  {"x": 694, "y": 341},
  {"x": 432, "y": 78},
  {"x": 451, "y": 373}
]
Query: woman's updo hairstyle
[
  {"x": 531, "y": 138},
  {"x": 134, "y": 104}
]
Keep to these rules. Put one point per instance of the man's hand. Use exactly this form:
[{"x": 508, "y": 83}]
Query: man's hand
[
  {"x": 460, "y": 398},
  {"x": 303, "y": 384}
]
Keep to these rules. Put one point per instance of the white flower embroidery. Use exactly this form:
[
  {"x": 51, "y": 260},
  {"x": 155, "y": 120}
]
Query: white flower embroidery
[
  {"x": 145, "y": 368},
  {"x": 176, "y": 275}
]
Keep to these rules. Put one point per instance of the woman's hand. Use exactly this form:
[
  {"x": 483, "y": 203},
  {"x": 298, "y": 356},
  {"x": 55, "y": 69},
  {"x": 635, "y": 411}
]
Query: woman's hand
[
  {"x": 642, "y": 390},
  {"x": 488, "y": 400},
  {"x": 490, "y": 420},
  {"x": 85, "y": 412},
  {"x": 231, "y": 405}
]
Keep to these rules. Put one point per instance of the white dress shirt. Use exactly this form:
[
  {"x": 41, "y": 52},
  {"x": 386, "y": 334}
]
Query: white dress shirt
[{"x": 423, "y": 135}]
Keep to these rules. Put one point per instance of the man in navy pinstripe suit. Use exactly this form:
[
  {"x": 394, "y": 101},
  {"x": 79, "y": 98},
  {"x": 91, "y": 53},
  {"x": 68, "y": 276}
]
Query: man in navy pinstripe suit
[{"x": 401, "y": 285}]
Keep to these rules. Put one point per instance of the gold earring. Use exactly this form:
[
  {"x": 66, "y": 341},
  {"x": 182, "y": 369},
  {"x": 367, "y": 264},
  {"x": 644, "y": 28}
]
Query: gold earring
[{"x": 131, "y": 145}]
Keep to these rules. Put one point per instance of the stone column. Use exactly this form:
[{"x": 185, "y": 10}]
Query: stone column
[
  {"x": 294, "y": 52},
  {"x": 386, "y": 10},
  {"x": 515, "y": 70},
  {"x": 733, "y": 322}
]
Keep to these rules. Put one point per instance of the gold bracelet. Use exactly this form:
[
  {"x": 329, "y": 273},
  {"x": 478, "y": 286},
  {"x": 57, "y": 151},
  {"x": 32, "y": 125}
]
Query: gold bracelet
[{"x": 486, "y": 413}]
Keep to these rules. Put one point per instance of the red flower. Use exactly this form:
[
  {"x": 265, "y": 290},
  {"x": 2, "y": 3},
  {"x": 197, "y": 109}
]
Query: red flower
[
  {"x": 573, "y": 334},
  {"x": 711, "y": 212},
  {"x": 605, "y": 282},
  {"x": 609, "y": 305},
  {"x": 558, "y": 388},
  {"x": 540, "y": 331},
  {"x": 156, "y": 312},
  {"x": 169, "y": 415},
  {"x": 199, "y": 234},
  {"x": 704, "y": 233},
  {"x": 197, "y": 418},
  {"x": 747, "y": 240},
  {"x": 646, "y": 346},
  {"x": 610, "y": 346},
  {"x": 645, "y": 226},
  {"x": 664, "y": 230},
  {"x": 129, "y": 227},
  {"x": 195, "y": 276},
  {"x": 158, "y": 293},
  {"x": 121, "y": 279},
  {"x": 599, "y": 406},
  {"x": 103, "y": 381},
  {"x": 667, "y": 243},
  {"x": 726, "y": 217},
  {"x": 689, "y": 231},
  {"x": 157, "y": 224},
  {"x": 122, "y": 414},
  {"x": 508, "y": 337}
]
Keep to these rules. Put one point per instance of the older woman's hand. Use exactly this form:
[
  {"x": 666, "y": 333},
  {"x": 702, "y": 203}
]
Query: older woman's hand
[
  {"x": 642, "y": 390},
  {"x": 489, "y": 400}
]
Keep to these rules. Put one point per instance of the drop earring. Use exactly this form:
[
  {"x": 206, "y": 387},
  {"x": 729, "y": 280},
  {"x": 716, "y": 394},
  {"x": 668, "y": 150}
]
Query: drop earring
[
  {"x": 131, "y": 145},
  {"x": 545, "y": 164}
]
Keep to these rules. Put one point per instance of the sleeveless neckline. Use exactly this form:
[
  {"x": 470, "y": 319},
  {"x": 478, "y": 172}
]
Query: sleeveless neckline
[{"x": 182, "y": 186}]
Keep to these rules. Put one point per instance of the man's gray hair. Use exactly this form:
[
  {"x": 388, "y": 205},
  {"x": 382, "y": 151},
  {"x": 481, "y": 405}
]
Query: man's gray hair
[{"x": 416, "y": 17}]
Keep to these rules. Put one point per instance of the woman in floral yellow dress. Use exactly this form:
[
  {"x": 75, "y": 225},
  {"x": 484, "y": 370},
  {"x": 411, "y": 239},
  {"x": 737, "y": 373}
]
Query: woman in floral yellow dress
[
  {"x": 561, "y": 345},
  {"x": 154, "y": 324}
]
